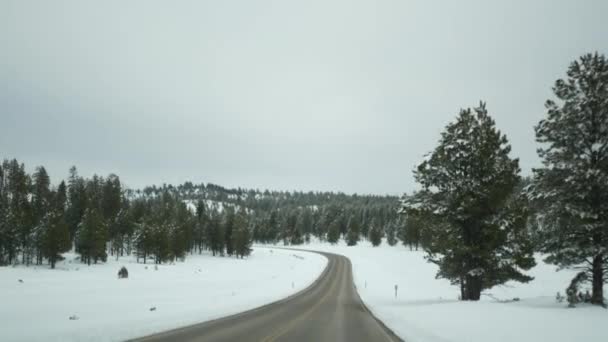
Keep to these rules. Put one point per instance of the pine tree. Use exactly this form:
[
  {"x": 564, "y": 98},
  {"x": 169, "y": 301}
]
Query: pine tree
[
  {"x": 125, "y": 226},
  {"x": 41, "y": 194},
  {"x": 4, "y": 236},
  {"x": 91, "y": 237},
  {"x": 333, "y": 232},
  {"x": 294, "y": 228},
  {"x": 352, "y": 235},
  {"x": 572, "y": 187},
  {"x": 391, "y": 233},
  {"x": 215, "y": 232},
  {"x": 77, "y": 202},
  {"x": 305, "y": 221},
  {"x": 57, "y": 236},
  {"x": 111, "y": 204},
  {"x": 228, "y": 230},
  {"x": 20, "y": 210},
  {"x": 143, "y": 239},
  {"x": 476, "y": 221},
  {"x": 9, "y": 229},
  {"x": 375, "y": 233},
  {"x": 200, "y": 238},
  {"x": 241, "y": 237},
  {"x": 413, "y": 230},
  {"x": 40, "y": 202}
]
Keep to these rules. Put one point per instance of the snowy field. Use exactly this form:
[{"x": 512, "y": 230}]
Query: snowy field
[
  {"x": 427, "y": 310},
  {"x": 108, "y": 309}
]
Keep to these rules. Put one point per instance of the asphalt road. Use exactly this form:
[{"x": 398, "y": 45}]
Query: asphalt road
[{"x": 328, "y": 310}]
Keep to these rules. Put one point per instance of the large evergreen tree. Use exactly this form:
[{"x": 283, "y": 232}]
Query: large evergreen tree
[
  {"x": 572, "y": 187},
  {"x": 241, "y": 236},
  {"x": 478, "y": 223},
  {"x": 77, "y": 202},
  {"x": 91, "y": 237},
  {"x": 57, "y": 235}
]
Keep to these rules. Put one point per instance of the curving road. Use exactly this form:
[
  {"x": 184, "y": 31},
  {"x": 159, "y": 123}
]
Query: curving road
[{"x": 328, "y": 310}]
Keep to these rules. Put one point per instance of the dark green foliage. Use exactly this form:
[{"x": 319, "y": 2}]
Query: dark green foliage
[
  {"x": 123, "y": 273},
  {"x": 57, "y": 235},
  {"x": 375, "y": 233},
  {"x": 228, "y": 229},
  {"x": 354, "y": 231},
  {"x": 572, "y": 187},
  {"x": 241, "y": 239},
  {"x": 412, "y": 232},
  {"x": 91, "y": 237},
  {"x": 573, "y": 289},
  {"x": 41, "y": 195},
  {"x": 391, "y": 233},
  {"x": 101, "y": 218},
  {"x": 476, "y": 222},
  {"x": 333, "y": 233},
  {"x": 216, "y": 234},
  {"x": 77, "y": 202},
  {"x": 143, "y": 240}
]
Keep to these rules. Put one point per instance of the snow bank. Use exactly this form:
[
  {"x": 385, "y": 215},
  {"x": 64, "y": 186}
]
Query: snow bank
[
  {"x": 110, "y": 309},
  {"x": 427, "y": 309}
]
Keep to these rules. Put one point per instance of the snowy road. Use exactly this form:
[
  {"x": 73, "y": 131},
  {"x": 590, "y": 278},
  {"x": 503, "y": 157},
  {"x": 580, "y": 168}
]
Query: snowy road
[{"x": 329, "y": 310}]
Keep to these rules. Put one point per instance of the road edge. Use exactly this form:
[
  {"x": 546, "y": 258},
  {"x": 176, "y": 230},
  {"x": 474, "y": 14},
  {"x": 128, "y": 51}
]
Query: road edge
[{"x": 246, "y": 312}]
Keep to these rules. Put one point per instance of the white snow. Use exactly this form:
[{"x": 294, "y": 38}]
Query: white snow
[
  {"x": 219, "y": 206},
  {"x": 111, "y": 309},
  {"x": 427, "y": 309}
]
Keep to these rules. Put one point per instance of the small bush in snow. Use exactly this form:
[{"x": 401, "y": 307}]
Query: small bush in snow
[
  {"x": 573, "y": 295},
  {"x": 153, "y": 308},
  {"x": 123, "y": 273},
  {"x": 73, "y": 318},
  {"x": 587, "y": 297}
]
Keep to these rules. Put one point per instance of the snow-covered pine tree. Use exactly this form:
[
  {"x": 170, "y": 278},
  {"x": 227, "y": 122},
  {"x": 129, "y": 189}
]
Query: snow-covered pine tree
[
  {"x": 572, "y": 187},
  {"x": 478, "y": 236}
]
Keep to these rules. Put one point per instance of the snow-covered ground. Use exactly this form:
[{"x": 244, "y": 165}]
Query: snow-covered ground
[
  {"x": 427, "y": 310},
  {"x": 108, "y": 309}
]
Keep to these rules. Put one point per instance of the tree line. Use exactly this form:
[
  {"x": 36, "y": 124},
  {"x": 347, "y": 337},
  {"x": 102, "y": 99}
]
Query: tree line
[
  {"x": 98, "y": 217},
  {"x": 481, "y": 222}
]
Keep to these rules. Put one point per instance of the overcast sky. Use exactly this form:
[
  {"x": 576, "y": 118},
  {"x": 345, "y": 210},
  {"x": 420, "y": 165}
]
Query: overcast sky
[{"x": 309, "y": 95}]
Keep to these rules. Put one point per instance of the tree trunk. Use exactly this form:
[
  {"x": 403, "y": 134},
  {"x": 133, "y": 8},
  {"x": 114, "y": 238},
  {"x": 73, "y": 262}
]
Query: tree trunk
[
  {"x": 462, "y": 292},
  {"x": 597, "y": 296},
  {"x": 472, "y": 288}
]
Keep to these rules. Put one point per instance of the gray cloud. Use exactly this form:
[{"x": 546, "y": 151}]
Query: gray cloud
[{"x": 311, "y": 95}]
